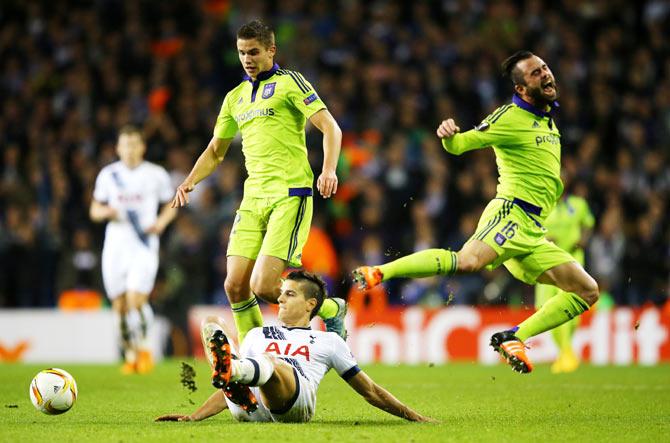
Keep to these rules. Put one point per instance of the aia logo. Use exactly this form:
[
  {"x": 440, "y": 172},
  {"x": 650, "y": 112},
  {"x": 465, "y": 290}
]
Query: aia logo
[{"x": 285, "y": 350}]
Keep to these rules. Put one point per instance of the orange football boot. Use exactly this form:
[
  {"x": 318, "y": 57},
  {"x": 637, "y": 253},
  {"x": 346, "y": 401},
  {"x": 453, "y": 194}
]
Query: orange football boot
[
  {"x": 145, "y": 362},
  {"x": 512, "y": 349},
  {"x": 128, "y": 368},
  {"x": 367, "y": 277},
  {"x": 222, "y": 356}
]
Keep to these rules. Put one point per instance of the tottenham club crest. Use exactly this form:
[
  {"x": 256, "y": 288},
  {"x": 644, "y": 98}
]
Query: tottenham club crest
[{"x": 269, "y": 90}]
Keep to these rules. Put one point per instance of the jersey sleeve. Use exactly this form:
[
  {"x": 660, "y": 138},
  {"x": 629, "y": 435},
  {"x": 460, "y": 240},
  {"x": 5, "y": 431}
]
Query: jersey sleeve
[
  {"x": 302, "y": 95},
  {"x": 101, "y": 189},
  {"x": 342, "y": 359},
  {"x": 494, "y": 130},
  {"x": 226, "y": 126},
  {"x": 165, "y": 191}
]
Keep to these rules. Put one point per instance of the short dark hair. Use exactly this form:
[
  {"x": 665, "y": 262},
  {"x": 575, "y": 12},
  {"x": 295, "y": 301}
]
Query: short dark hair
[
  {"x": 313, "y": 287},
  {"x": 258, "y": 30},
  {"x": 129, "y": 129},
  {"x": 510, "y": 70}
]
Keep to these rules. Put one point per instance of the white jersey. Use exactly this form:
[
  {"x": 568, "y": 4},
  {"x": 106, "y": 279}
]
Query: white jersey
[
  {"x": 136, "y": 194},
  {"x": 312, "y": 353}
]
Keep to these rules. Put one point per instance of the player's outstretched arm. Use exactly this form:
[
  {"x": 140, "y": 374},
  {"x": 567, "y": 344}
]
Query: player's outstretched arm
[
  {"x": 212, "y": 406},
  {"x": 332, "y": 142},
  {"x": 383, "y": 399},
  {"x": 204, "y": 166}
]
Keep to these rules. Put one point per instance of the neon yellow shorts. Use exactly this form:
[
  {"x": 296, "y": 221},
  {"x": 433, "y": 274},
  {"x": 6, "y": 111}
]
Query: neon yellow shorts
[
  {"x": 519, "y": 240},
  {"x": 277, "y": 227}
]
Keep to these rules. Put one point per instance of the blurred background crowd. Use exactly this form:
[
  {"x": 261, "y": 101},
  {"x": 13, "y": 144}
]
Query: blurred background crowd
[{"x": 71, "y": 73}]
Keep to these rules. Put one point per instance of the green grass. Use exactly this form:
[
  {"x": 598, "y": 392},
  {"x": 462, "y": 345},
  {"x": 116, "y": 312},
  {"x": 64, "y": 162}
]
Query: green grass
[{"x": 473, "y": 403}]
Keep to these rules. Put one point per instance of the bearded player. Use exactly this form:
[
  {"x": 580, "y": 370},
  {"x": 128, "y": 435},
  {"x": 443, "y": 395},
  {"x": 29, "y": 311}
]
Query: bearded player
[{"x": 527, "y": 145}]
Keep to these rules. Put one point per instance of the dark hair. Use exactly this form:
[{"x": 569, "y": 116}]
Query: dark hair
[
  {"x": 258, "y": 30},
  {"x": 313, "y": 287},
  {"x": 129, "y": 129},
  {"x": 509, "y": 68}
]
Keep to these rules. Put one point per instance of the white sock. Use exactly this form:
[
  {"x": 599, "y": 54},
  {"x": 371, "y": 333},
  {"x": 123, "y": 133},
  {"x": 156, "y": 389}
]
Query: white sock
[
  {"x": 252, "y": 371},
  {"x": 133, "y": 321},
  {"x": 146, "y": 321}
]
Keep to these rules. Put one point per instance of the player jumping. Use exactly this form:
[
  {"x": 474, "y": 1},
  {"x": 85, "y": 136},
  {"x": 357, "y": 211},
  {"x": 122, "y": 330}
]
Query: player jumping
[
  {"x": 285, "y": 364},
  {"x": 527, "y": 145}
]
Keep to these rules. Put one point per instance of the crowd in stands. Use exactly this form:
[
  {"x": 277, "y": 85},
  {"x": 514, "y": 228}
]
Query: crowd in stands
[{"x": 71, "y": 73}]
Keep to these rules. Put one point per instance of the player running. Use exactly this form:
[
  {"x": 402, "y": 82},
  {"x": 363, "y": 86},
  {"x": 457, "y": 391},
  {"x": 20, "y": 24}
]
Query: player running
[
  {"x": 285, "y": 364},
  {"x": 569, "y": 226},
  {"x": 269, "y": 108},
  {"x": 126, "y": 196},
  {"x": 527, "y": 145}
]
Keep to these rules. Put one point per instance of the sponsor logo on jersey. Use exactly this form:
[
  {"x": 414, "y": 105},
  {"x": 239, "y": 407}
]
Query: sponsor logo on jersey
[
  {"x": 269, "y": 90},
  {"x": 551, "y": 139},
  {"x": 249, "y": 115},
  {"x": 285, "y": 349},
  {"x": 310, "y": 98}
]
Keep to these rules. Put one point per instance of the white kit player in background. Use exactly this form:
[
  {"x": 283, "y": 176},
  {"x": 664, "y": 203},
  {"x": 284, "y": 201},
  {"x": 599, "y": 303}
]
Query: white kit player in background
[
  {"x": 127, "y": 195},
  {"x": 284, "y": 365}
]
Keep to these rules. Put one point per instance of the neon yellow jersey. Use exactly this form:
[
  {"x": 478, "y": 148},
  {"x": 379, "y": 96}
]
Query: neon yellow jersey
[
  {"x": 566, "y": 222},
  {"x": 527, "y": 145},
  {"x": 271, "y": 113}
]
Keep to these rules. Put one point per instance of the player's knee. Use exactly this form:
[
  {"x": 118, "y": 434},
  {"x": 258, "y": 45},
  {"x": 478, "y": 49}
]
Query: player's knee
[
  {"x": 590, "y": 292},
  {"x": 119, "y": 305},
  {"x": 468, "y": 263},
  {"x": 264, "y": 290},
  {"x": 236, "y": 290}
]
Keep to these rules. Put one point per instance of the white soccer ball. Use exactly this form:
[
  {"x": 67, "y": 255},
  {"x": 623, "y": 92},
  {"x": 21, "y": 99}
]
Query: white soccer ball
[{"x": 53, "y": 391}]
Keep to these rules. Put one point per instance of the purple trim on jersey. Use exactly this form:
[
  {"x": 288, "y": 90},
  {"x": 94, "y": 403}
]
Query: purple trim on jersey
[
  {"x": 299, "y": 192},
  {"x": 350, "y": 373},
  {"x": 527, "y": 207},
  {"x": 292, "y": 401},
  {"x": 260, "y": 77},
  {"x": 523, "y": 104},
  {"x": 514, "y": 329}
]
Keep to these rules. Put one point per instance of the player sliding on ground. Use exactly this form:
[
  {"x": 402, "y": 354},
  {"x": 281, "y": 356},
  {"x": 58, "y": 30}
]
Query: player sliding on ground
[
  {"x": 284, "y": 364},
  {"x": 527, "y": 145}
]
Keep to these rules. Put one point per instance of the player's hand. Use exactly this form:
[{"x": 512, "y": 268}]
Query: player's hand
[
  {"x": 181, "y": 196},
  {"x": 155, "y": 229},
  {"x": 174, "y": 417},
  {"x": 112, "y": 214},
  {"x": 447, "y": 128},
  {"x": 423, "y": 419},
  {"x": 327, "y": 183}
]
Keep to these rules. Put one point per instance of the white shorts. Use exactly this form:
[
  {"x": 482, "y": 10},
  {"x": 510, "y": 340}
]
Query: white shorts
[
  {"x": 127, "y": 268},
  {"x": 300, "y": 410}
]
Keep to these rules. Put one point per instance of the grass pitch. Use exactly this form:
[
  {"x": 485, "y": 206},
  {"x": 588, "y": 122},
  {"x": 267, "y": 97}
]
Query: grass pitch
[{"x": 472, "y": 402}]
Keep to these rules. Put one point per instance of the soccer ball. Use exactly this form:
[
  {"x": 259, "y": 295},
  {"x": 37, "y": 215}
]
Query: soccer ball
[{"x": 53, "y": 391}]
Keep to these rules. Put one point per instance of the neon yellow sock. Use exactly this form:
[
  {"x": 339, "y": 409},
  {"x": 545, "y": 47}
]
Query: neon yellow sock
[
  {"x": 421, "y": 264},
  {"x": 557, "y": 310},
  {"x": 247, "y": 315},
  {"x": 328, "y": 309}
]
